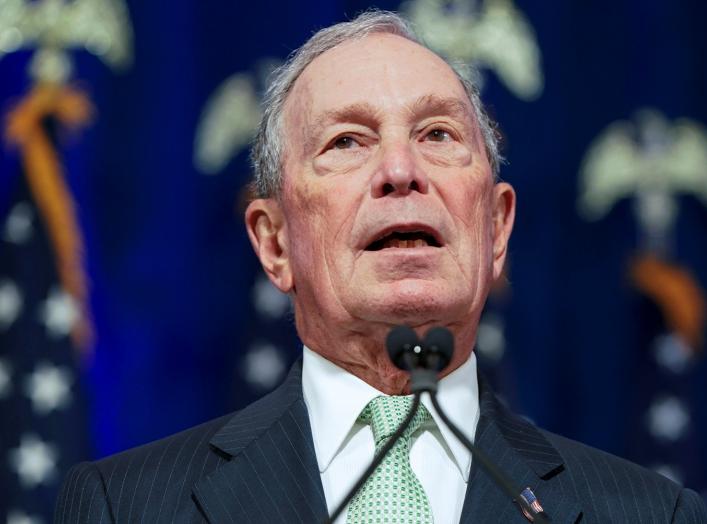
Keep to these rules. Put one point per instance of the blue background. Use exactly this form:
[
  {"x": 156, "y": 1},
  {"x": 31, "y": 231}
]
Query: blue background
[{"x": 172, "y": 270}]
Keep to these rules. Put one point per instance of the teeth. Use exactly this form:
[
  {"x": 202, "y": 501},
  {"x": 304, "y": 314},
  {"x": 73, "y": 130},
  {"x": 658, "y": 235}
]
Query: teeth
[
  {"x": 393, "y": 242},
  {"x": 404, "y": 243}
]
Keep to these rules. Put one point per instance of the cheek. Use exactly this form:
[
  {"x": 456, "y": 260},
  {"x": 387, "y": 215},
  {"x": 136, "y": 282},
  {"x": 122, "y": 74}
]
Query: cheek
[
  {"x": 470, "y": 203},
  {"x": 326, "y": 206},
  {"x": 315, "y": 220},
  {"x": 453, "y": 155},
  {"x": 305, "y": 240},
  {"x": 342, "y": 162},
  {"x": 472, "y": 212}
]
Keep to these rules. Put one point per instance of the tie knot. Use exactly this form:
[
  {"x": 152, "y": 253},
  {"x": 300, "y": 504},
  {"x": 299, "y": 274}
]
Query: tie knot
[{"x": 385, "y": 414}]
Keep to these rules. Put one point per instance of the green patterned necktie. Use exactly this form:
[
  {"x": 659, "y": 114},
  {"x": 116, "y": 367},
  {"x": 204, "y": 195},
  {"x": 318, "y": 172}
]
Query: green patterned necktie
[{"x": 393, "y": 494}]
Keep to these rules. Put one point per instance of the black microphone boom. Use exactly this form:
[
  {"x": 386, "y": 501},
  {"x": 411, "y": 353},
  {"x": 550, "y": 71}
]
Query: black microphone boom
[
  {"x": 424, "y": 360},
  {"x": 403, "y": 347},
  {"x": 501, "y": 480},
  {"x": 437, "y": 351}
]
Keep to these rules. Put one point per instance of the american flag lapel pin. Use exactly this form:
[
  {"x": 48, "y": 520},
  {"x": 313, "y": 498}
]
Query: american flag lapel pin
[{"x": 529, "y": 497}]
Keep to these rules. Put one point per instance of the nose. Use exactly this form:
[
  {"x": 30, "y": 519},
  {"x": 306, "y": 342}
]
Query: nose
[{"x": 399, "y": 173}]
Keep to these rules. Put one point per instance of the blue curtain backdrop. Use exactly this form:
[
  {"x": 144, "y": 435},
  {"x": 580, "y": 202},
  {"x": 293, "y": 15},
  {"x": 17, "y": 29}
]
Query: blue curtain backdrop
[{"x": 186, "y": 328}]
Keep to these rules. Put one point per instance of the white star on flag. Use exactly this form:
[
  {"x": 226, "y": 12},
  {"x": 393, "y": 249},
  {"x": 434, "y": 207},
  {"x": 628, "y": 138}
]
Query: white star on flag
[
  {"x": 34, "y": 461},
  {"x": 268, "y": 300},
  {"x": 672, "y": 352},
  {"x": 5, "y": 378},
  {"x": 18, "y": 226},
  {"x": 263, "y": 365},
  {"x": 59, "y": 313},
  {"x": 19, "y": 517},
  {"x": 10, "y": 303},
  {"x": 48, "y": 387},
  {"x": 490, "y": 339},
  {"x": 668, "y": 418}
]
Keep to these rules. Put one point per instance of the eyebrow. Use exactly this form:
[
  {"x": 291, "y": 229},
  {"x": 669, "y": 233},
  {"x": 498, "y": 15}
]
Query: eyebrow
[
  {"x": 360, "y": 113},
  {"x": 431, "y": 105}
]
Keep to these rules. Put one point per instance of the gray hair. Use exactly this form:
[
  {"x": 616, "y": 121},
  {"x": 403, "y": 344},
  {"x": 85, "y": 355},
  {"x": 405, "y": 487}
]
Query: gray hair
[{"x": 268, "y": 146}]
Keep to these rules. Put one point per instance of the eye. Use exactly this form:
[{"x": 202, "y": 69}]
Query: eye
[
  {"x": 344, "y": 142},
  {"x": 439, "y": 135}
]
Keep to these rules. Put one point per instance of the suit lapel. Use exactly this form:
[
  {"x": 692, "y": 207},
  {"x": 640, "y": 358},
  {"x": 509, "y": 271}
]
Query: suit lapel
[
  {"x": 271, "y": 474},
  {"x": 525, "y": 455}
]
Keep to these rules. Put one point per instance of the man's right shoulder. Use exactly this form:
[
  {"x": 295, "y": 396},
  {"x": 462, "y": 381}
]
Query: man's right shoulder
[
  {"x": 185, "y": 453},
  {"x": 149, "y": 482},
  {"x": 155, "y": 482}
]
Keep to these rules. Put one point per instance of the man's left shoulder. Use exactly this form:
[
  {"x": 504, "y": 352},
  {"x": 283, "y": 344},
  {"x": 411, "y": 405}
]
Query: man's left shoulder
[{"x": 612, "y": 484}]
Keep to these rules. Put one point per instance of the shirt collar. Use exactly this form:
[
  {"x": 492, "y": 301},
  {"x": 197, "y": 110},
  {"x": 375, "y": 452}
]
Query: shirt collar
[{"x": 458, "y": 393}]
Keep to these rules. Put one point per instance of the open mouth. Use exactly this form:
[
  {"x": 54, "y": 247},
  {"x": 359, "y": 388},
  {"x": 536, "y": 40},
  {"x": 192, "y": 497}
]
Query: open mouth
[{"x": 407, "y": 239}]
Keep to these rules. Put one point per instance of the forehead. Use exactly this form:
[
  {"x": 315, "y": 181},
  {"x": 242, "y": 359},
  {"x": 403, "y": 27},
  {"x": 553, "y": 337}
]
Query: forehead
[{"x": 385, "y": 71}]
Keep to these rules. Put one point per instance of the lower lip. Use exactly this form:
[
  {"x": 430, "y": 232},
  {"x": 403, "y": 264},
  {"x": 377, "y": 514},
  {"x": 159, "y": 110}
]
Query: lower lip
[
  {"x": 398, "y": 263},
  {"x": 407, "y": 250}
]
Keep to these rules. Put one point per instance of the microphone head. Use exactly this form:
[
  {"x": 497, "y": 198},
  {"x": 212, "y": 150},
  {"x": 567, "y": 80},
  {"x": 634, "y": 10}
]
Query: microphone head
[
  {"x": 439, "y": 346},
  {"x": 400, "y": 343}
]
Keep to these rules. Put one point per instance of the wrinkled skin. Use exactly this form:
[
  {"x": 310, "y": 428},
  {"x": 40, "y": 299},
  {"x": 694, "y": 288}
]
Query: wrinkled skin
[{"x": 380, "y": 135}]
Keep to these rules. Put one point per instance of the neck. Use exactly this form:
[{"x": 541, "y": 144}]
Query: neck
[{"x": 361, "y": 351}]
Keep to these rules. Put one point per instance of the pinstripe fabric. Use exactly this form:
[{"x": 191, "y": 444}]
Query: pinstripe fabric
[
  {"x": 573, "y": 482},
  {"x": 259, "y": 466},
  {"x": 152, "y": 483},
  {"x": 255, "y": 466}
]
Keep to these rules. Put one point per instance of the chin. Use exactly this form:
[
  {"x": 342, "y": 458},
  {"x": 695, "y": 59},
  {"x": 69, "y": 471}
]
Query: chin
[{"x": 416, "y": 302}]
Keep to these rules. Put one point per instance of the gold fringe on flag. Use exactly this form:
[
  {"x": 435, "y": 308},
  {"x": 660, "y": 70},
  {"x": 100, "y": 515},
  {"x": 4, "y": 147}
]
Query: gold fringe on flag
[
  {"x": 43, "y": 170},
  {"x": 677, "y": 294}
]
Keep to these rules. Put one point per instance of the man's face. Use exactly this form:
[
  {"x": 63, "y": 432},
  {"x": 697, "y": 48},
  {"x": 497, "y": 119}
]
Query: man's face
[{"x": 389, "y": 209}]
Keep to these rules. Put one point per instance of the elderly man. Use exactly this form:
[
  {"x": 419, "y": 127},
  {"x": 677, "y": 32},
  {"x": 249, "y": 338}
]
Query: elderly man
[{"x": 378, "y": 205}]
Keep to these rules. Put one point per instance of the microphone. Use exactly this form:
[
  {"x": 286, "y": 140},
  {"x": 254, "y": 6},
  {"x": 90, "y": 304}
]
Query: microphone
[
  {"x": 439, "y": 345},
  {"x": 437, "y": 351},
  {"x": 422, "y": 360},
  {"x": 404, "y": 347}
]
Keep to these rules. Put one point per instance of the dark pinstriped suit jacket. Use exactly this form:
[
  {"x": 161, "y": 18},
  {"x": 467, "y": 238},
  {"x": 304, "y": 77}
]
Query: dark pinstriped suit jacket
[{"x": 259, "y": 466}]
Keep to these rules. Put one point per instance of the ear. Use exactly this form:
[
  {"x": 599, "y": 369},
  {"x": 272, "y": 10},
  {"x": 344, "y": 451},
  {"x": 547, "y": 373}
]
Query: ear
[
  {"x": 268, "y": 235},
  {"x": 504, "y": 211}
]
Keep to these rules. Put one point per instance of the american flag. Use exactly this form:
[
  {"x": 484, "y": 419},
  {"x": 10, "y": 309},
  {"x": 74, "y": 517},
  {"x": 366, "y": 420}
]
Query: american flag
[
  {"x": 529, "y": 497},
  {"x": 43, "y": 430}
]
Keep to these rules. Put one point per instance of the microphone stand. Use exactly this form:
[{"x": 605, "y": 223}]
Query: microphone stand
[
  {"x": 378, "y": 458},
  {"x": 501, "y": 480},
  {"x": 406, "y": 352}
]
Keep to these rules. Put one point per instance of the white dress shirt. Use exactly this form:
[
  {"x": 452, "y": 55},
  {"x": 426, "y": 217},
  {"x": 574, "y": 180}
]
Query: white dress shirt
[{"x": 345, "y": 447}]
